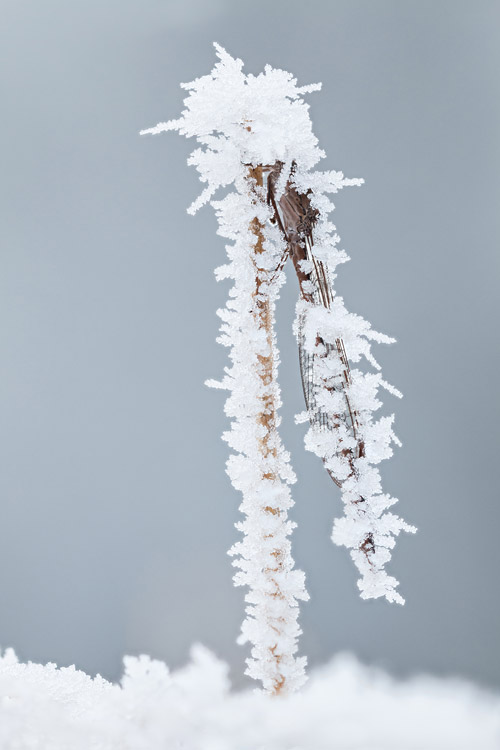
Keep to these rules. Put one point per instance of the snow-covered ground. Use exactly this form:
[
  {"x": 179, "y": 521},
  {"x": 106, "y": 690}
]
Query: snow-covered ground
[{"x": 344, "y": 706}]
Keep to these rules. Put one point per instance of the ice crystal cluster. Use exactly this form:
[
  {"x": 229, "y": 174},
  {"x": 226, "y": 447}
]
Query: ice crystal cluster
[
  {"x": 46, "y": 708},
  {"x": 255, "y": 133}
]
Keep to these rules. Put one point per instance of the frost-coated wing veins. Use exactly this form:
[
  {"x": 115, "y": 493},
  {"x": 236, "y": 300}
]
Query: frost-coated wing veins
[
  {"x": 296, "y": 219},
  {"x": 338, "y": 429}
]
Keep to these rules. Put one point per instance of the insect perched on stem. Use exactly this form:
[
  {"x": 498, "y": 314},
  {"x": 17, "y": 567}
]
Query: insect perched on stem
[
  {"x": 256, "y": 138},
  {"x": 296, "y": 218}
]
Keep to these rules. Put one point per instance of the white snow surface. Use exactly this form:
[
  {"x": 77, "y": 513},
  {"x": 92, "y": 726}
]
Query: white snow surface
[{"x": 345, "y": 706}]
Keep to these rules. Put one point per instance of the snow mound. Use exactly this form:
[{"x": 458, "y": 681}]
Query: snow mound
[{"x": 344, "y": 706}]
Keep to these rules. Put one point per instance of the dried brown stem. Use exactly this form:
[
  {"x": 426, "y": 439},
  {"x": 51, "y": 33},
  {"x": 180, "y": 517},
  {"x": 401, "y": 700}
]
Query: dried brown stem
[{"x": 268, "y": 414}]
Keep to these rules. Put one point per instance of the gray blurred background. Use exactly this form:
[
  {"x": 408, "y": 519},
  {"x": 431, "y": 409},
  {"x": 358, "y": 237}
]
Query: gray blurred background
[{"x": 115, "y": 510}]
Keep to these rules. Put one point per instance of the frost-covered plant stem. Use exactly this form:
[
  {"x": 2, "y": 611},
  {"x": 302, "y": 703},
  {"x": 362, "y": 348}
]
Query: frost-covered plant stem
[
  {"x": 264, "y": 555},
  {"x": 264, "y": 318}
]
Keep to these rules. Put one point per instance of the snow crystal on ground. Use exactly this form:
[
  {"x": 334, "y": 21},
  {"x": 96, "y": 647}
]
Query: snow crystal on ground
[{"x": 344, "y": 706}]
